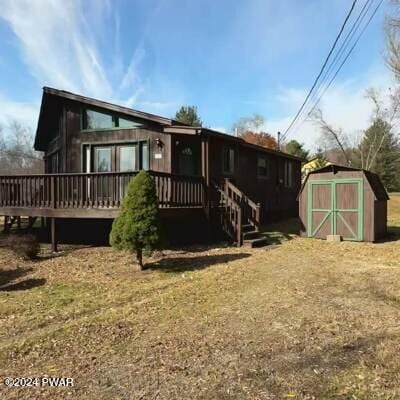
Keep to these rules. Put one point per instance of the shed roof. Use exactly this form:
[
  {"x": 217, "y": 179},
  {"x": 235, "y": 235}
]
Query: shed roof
[{"x": 372, "y": 178}]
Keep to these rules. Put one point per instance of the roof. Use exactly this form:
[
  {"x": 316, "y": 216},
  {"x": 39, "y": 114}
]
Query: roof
[
  {"x": 372, "y": 178},
  {"x": 169, "y": 125},
  {"x": 49, "y": 94},
  {"x": 311, "y": 164},
  {"x": 257, "y": 147},
  {"x": 377, "y": 185},
  {"x": 109, "y": 106}
]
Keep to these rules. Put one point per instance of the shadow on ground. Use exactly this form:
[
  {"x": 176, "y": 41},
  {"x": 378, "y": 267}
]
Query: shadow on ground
[
  {"x": 8, "y": 278},
  {"x": 319, "y": 363},
  {"x": 393, "y": 235},
  {"x": 182, "y": 264},
  {"x": 279, "y": 232}
]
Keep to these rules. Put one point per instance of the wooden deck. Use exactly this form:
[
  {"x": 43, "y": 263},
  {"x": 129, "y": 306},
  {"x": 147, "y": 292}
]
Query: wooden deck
[
  {"x": 99, "y": 195},
  {"x": 92, "y": 195}
]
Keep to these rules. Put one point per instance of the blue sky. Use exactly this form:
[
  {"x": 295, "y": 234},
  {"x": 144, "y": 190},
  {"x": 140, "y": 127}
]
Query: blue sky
[{"x": 230, "y": 58}]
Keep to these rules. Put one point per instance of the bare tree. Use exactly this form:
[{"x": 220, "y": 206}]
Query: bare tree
[
  {"x": 393, "y": 39},
  {"x": 16, "y": 150},
  {"x": 334, "y": 138},
  {"x": 387, "y": 112},
  {"x": 249, "y": 124}
]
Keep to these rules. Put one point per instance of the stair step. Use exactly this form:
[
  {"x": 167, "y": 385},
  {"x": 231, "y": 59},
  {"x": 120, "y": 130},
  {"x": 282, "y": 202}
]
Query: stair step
[
  {"x": 258, "y": 242},
  {"x": 248, "y": 228},
  {"x": 251, "y": 235}
]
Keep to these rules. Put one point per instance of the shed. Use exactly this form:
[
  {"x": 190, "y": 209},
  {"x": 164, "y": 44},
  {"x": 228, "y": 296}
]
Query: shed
[{"x": 345, "y": 201}]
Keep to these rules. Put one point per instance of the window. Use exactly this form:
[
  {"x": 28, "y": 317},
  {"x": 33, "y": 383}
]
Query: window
[
  {"x": 145, "y": 156},
  {"x": 97, "y": 120},
  {"x": 126, "y": 123},
  {"x": 228, "y": 160},
  {"x": 262, "y": 167},
  {"x": 127, "y": 158},
  {"x": 102, "y": 161},
  {"x": 288, "y": 174}
]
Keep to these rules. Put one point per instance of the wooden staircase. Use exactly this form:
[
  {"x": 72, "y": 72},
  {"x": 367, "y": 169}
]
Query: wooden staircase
[{"x": 240, "y": 217}]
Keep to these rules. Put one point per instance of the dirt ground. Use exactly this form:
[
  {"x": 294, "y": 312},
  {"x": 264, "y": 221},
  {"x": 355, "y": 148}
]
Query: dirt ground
[{"x": 305, "y": 319}]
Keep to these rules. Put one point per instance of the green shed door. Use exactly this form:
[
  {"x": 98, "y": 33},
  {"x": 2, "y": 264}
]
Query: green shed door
[{"x": 335, "y": 207}]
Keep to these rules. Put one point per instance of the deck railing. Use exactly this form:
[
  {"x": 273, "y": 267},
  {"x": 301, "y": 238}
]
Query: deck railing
[
  {"x": 230, "y": 215},
  {"x": 95, "y": 190},
  {"x": 250, "y": 209},
  {"x": 236, "y": 210}
]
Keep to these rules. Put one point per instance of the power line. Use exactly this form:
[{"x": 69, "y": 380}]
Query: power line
[
  {"x": 344, "y": 61},
  {"x": 348, "y": 38},
  {"x": 338, "y": 55},
  {"x": 323, "y": 67},
  {"x": 364, "y": 11}
]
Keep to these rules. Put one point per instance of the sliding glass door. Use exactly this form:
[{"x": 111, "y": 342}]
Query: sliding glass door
[
  {"x": 116, "y": 157},
  {"x": 102, "y": 159},
  {"x": 120, "y": 157},
  {"x": 127, "y": 159}
]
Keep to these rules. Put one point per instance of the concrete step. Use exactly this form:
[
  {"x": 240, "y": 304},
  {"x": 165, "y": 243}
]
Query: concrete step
[{"x": 257, "y": 242}]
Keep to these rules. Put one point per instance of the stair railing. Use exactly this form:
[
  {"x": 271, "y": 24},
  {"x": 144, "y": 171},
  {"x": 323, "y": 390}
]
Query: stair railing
[
  {"x": 230, "y": 215},
  {"x": 251, "y": 211}
]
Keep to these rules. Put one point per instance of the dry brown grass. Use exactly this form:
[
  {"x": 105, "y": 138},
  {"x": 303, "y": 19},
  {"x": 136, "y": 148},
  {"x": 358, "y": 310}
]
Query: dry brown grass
[{"x": 305, "y": 320}]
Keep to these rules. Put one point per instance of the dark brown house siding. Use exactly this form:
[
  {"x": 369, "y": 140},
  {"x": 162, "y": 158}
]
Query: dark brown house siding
[
  {"x": 61, "y": 137},
  {"x": 277, "y": 200},
  {"x": 72, "y": 139}
]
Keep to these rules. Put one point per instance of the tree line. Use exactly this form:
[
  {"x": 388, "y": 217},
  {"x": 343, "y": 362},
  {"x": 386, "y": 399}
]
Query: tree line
[
  {"x": 17, "y": 155},
  {"x": 376, "y": 149}
]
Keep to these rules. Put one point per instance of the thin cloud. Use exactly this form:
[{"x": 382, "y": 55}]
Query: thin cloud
[
  {"x": 24, "y": 113},
  {"x": 60, "y": 47},
  {"x": 56, "y": 44},
  {"x": 131, "y": 76},
  {"x": 344, "y": 105}
]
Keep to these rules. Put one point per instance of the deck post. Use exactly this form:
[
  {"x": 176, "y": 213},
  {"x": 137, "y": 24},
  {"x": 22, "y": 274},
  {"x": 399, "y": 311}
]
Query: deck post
[{"x": 53, "y": 235}]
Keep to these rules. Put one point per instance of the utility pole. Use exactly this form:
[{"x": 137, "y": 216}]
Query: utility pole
[{"x": 279, "y": 140}]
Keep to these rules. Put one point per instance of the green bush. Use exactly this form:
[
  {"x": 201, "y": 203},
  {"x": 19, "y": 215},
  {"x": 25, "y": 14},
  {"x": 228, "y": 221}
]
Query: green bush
[
  {"x": 25, "y": 246},
  {"x": 136, "y": 229}
]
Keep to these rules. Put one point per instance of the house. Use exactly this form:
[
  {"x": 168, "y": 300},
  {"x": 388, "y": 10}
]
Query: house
[
  {"x": 204, "y": 178},
  {"x": 311, "y": 165}
]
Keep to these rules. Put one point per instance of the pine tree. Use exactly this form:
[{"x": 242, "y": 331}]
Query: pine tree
[
  {"x": 297, "y": 149},
  {"x": 188, "y": 115},
  {"x": 136, "y": 229},
  {"x": 379, "y": 151}
]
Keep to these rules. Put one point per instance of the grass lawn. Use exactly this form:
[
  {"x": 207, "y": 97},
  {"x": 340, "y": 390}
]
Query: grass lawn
[{"x": 304, "y": 320}]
